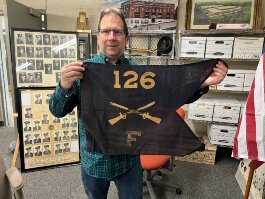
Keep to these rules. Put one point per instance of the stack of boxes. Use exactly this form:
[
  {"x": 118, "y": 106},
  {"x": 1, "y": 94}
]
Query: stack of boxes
[
  {"x": 223, "y": 112},
  {"x": 221, "y": 47}
]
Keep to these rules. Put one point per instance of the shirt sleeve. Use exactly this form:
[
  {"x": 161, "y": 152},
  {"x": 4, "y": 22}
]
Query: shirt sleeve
[
  {"x": 198, "y": 94},
  {"x": 61, "y": 103}
]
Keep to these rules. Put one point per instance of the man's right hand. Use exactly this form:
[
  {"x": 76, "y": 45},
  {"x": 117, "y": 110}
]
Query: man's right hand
[{"x": 70, "y": 73}]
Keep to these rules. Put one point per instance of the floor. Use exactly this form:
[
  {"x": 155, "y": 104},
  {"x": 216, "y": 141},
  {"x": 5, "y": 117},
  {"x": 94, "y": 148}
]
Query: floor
[{"x": 198, "y": 181}]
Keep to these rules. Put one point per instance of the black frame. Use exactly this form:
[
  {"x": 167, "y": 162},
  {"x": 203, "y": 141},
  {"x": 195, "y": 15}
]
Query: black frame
[
  {"x": 16, "y": 31},
  {"x": 22, "y": 134},
  {"x": 33, "y": 87}
]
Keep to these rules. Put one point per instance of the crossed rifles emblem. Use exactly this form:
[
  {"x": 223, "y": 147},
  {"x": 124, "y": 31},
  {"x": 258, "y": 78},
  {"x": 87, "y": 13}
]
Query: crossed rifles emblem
[{"x": 137, "y": 111}]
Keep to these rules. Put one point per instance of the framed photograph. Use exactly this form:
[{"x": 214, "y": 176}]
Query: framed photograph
[
  {"x": 201, "y": 13},
  {"x": 45, "y": 140},
  {"x": 39, "y": 56}
]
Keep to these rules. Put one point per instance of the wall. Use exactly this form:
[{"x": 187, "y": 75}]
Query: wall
[{"x": 19, "y": 17}]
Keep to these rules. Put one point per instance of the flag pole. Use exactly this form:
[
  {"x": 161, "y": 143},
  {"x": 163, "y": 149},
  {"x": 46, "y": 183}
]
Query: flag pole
[{"x": 252, "y": 166}]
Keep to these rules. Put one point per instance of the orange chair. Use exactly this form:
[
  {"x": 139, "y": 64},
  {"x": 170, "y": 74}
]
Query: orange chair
[{"x": 154, "y": 163}]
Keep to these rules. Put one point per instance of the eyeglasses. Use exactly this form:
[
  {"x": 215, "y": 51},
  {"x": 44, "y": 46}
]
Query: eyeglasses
[{"x": 116, "y": 32}]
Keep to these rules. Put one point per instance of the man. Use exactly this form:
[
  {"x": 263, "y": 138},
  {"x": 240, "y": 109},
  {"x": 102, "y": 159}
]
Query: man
[
  {"x": 66, "y": 148},
  {"x": 45, "y": 119},
  {"x": 74, "y": 135},
  {"x": 30, "y": 78},
  {"x": 28, "y": 113},
  {"x": 28, "y": 153},
  {"x": 56, "y": 120},
  {"x": 37, "y": 139},
  {"x": 29, "y": 38},
  {"x": 20, "y": 39},
  {"x": 27, "y": 126},
  {"x": 46, "y": 39},
  {"x": 66, "y": 136},
  {"x": 39, "y": 65},
  {"x": 65, "y": 123},
  {"x": 48, "y": 68},
  {"x": 38, "y": 39},
  {"x": 56, "y": 65},
  {"x": 30, "y": 52},
  {"x": 47, "y": 150},
  {"x": 38, "y": 151},
  {"x": 38, "y": 99},
  {"x": 55, "y": 40},
  {"x": 39, "y": 52},
  {"x": 21, "y": 51},
  {"x": 98, "y": 169},
  {"x": 57, "y": 136},
  {"x": 58, "y": 149},
  {"x": 37, "y": 126},
  {"x": 31, "y": 64},
  {"x": 28, "y": 139},
  {"x": 47, "y": 52},
  {"x": 46, "y": 137},
  {"x": 22, "y": 77},
  {"x": 38, "y": 78},
  {"x": 73, "y": 123}
]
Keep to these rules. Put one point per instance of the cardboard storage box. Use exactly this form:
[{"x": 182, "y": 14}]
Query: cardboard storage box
[
  {"x": 219, "y": 47},
  {"x": 234, "y": 81},
  {"x": 205, "y": 157},
  {"x": 248, "y": 47},
  {"x": 258, "y": 182},
  {"x": 193, "y": 47},
  {"x": 226, "y": 110},
  {"x": 249, "y": 76},
  {"x": 202, "y": 109},
  {"x": 221, "y": 134}
]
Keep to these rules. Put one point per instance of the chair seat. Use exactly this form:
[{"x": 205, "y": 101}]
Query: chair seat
[{"x": 153, "y": 162}]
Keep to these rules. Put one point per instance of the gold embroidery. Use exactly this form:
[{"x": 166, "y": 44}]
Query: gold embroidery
[
  {"x": 145, "y": 115},
  {"x": 131, "y": 139}
]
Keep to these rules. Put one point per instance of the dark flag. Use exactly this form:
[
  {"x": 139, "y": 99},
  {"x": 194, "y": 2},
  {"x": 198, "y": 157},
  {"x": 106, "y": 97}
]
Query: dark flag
[{"x": 132, "y": 109}]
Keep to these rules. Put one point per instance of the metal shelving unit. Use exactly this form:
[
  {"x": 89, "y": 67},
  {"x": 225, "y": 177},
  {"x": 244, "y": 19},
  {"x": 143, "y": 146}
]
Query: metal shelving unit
[{"x": 232, "y": 61}]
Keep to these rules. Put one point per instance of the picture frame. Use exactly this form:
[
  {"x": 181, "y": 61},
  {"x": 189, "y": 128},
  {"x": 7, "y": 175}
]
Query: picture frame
[
  {"x": 45, "y": 140},
  {"x": 201, "y": 13},
  {"x": 38, "y": 55}
]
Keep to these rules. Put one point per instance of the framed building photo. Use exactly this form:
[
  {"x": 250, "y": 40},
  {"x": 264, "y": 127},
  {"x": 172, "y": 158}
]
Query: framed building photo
[
  {"x": 39, "y": 56},
  {"x": 201, "y": 13},
  {"x": 44, "y": 139}
]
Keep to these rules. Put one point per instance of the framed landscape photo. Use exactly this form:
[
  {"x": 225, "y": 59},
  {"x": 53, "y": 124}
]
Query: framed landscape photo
[
  {"x": 45, "y": 140},
  {"x": 201, "y": 13},
  {"x": 39, "y": 55}
]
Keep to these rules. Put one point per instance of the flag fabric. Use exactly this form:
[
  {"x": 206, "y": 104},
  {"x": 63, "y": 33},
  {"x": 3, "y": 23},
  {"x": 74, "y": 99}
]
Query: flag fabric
[
  {"x": 132, "y": 109},
  {"x": 249, "y": 141}
]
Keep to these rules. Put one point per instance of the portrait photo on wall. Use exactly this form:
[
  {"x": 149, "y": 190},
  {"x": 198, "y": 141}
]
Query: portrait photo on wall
[
  {"x": 39, "y": 56},
  {"x": 45, "y": 140},
  {"x": 145, "y": 14},
  {"x": 201, "y": 13}
]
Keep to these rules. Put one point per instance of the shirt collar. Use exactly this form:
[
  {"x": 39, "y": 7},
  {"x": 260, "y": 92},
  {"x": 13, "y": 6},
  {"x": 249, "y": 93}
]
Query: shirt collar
[{"x": 121, "y": 60}]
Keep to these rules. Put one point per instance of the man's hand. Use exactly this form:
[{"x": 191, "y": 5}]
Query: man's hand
[
  {"x": 70, "y": 73},
  {"x": 217, "y": 76}
]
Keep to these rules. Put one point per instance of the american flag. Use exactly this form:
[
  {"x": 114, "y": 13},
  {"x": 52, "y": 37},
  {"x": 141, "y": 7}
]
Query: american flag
[{"x": 249, "y": 141}]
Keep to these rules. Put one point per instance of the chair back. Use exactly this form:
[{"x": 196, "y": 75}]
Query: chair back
[
  {"x": 5, "y": 191},
  {"x": 181, "y": 112}
]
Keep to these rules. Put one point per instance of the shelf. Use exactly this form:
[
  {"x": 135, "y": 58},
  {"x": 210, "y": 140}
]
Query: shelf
[
  {"x": 213, "y": 122},
  {"x": 225, "y": 59},
  {"x": 222, "y": 32},
  {"x": 228, "y": 91},
  {"x": 152, "y": 32}
]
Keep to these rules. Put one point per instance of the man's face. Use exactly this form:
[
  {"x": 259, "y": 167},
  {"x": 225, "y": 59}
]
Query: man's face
[{"x": 111, "y": 45}]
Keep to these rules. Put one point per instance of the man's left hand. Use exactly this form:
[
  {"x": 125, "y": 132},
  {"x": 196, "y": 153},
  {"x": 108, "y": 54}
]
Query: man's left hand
[{"x": 217, "y": 76}]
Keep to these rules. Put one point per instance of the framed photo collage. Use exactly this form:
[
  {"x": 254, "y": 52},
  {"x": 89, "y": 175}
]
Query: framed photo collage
[{"x": 37, "y": 59}]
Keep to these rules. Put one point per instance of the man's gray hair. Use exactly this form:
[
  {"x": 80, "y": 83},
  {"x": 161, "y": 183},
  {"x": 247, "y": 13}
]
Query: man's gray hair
[{"x": 117, "y": 12}]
